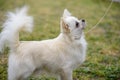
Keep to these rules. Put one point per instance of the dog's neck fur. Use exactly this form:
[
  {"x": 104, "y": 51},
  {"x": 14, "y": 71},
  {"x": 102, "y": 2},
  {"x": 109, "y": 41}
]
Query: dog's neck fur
[
  {"x": 66, "y": 36},
  {"x": 68, "y": 39}
]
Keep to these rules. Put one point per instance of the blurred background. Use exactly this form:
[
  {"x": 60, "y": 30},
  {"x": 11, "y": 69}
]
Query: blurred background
[{"x": 103, "y": 54}]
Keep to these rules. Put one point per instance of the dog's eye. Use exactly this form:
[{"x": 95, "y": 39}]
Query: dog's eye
[{"x": 77, "y": 24}]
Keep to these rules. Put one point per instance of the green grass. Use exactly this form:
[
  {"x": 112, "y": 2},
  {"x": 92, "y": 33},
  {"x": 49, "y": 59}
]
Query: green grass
[{"x": 103, "y": 54}]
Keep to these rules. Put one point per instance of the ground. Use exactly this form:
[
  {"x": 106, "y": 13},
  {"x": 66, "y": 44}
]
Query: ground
[{"x": 103, "y": 54}]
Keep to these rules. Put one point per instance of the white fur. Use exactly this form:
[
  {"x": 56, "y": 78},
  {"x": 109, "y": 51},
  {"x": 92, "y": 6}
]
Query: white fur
[
  {"x": 15, "y": 23},
  {"x": 58, "y": 56}
]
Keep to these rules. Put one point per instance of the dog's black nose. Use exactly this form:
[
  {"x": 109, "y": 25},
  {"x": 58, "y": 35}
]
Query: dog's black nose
[{"x": 83, "y": 20}]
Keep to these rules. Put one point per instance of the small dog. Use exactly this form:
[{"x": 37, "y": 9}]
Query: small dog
[{"x": 58, "y": 56}]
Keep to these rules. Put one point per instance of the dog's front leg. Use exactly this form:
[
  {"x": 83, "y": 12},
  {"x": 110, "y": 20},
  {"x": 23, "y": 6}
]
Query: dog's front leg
[{"x": 66, "y": 75}]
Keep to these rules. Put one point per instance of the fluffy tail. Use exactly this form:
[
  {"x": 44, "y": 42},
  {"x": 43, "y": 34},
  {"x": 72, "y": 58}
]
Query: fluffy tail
[{"x": 16, "y": 21}]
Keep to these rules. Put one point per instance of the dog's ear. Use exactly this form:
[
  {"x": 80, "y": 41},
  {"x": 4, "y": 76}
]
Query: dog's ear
[
  {"x": 64, "y": 27},
  {"x": 66, "y": 13}
]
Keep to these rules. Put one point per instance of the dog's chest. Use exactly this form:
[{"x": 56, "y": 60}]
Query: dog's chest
[{"x": 77, "y": 54}]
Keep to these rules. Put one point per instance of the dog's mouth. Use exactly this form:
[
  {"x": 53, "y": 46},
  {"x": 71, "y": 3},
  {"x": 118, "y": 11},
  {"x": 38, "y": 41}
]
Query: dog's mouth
[{"x": 77, "y": 37}]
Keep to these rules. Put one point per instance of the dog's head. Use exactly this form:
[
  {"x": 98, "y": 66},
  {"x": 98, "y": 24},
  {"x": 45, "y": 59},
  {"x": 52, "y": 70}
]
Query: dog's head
[{"x": 71, "y": 25}]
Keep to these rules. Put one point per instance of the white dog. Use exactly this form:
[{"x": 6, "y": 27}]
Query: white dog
[{"x": 58, "y": 56}]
